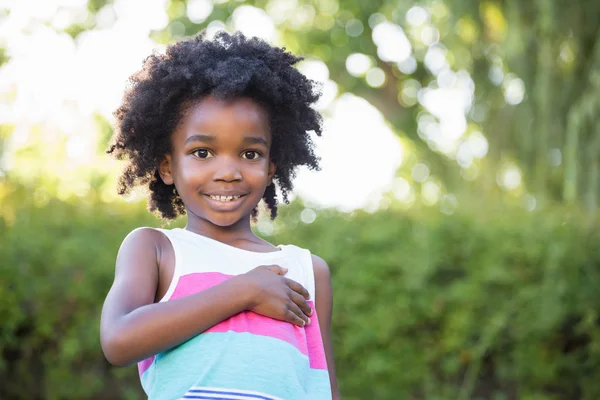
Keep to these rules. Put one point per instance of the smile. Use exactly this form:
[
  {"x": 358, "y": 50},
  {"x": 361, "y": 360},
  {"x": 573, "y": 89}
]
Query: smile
[{"x": 224, "y": 198}]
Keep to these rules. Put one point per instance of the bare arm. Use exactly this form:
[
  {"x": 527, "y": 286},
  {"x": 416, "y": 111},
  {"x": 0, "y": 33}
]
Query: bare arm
[
  {"x": 133, "y": 327},
  {"x": 324, "y": 305}
]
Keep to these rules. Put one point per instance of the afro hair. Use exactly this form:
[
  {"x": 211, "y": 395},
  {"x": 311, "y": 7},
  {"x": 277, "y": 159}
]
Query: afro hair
[{"x": 226, "y": 67}]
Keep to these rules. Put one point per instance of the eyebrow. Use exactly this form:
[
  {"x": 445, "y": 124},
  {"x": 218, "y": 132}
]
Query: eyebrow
[
  {"x": 209, "y": 138},
  {"x": 200, "y": 138},
  {"x": 256, "y": 140}
]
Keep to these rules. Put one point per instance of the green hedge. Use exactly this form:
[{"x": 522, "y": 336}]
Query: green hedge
[{"x": 498, "y": 306}]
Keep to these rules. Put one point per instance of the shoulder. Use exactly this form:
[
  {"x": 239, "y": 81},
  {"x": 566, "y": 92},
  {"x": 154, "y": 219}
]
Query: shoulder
[
  {"x": 143, "y": 235},
  {"x": 144, "y": 239},
  {"x": 320, "y": 267},
  {"x": 321, "y": 273}
]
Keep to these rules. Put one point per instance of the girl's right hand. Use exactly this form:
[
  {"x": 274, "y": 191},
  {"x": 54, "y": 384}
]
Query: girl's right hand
[{"x": 276, "y": 296}]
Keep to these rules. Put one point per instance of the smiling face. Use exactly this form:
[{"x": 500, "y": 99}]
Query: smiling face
[{"x": 220, "y": 162}]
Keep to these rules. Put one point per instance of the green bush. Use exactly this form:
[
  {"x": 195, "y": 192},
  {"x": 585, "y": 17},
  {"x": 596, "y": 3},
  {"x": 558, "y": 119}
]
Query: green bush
[
  {"x": 57, "y": 262},
  {"x": 468, "y": 306},
  {"x": 462, "y": 307}
]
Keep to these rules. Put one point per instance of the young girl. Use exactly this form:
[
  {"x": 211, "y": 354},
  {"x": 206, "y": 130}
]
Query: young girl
[{"x": 212, "y": 311}]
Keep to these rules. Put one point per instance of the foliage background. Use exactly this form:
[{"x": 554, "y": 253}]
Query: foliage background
[{"x": 476, "y": 279}]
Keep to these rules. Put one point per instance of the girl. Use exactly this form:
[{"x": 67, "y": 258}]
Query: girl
[{"x": 212, "y": 311}]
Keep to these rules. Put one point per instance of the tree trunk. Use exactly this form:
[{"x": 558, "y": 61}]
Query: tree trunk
[
  {"x": 570, "y": 155},
  {"x": 543, "y": 96}
]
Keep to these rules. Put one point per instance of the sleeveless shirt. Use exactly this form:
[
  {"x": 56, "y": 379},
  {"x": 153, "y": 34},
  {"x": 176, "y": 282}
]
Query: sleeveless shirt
[{"x": 247, "y": 356}]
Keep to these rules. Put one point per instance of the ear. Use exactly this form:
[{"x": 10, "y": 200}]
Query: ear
[
  {"x": 164, "y": 170},
  {"x": 271, "y": 173}
]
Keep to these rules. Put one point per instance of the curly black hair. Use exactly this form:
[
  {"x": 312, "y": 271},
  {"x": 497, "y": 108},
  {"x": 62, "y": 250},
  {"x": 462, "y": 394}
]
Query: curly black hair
[{"x": 228, "y": 66}]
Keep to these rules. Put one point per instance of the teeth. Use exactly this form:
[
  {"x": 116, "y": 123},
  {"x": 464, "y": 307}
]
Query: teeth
[{"x": 225, "y": 198}]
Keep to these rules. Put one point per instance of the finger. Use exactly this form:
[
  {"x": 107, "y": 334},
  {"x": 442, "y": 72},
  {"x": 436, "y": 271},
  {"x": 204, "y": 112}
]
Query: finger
[
  {"x": 298, "y": 288},
  {"x": 293, "y": 315},
  {"x": 277, "y": 269},
  {"x": 301, "y": 302}
]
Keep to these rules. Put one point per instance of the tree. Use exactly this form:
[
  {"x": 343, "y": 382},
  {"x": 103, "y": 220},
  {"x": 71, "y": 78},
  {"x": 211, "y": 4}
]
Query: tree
[
  {"x": 528, "y": 73},
  {"x": 535, "y": 65}
]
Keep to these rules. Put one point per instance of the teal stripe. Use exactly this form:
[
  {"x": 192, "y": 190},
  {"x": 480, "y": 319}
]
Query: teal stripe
[
  {"x": 243, "y": 361},
  {"x": 148, "y": 377}
]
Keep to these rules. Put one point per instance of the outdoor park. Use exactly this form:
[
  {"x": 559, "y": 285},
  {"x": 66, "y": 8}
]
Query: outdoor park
[{"x": 457, "y": 202}]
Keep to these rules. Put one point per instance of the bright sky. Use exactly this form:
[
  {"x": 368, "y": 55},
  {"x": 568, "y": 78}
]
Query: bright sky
[{"x": 54, "y": 81}]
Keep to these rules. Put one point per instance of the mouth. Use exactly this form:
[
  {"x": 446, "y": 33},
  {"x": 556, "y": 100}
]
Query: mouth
[
  {"x": 222, "y": 203},
  {"x": 223, "y": 199}
]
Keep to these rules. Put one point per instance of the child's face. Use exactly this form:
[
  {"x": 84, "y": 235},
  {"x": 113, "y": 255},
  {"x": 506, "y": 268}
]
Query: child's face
[{"x": 220, "y": 161}]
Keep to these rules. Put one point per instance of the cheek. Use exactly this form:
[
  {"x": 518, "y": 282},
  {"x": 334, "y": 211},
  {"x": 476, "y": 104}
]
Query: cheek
[
  {"x": 260, "y": 172},
  {"x": 257, "y": 178},
  {"x": 190, "y": 170},
  {"x": 187, "y": 171}
]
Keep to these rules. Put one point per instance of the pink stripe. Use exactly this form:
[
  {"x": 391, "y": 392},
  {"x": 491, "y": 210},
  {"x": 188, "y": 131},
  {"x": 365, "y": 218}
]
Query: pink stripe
[
  {"x": 197, "y": 282},
  {"x": 314, "y": 342},
  {"x": 145, "y": 364},
  {"x": 307, "y": 340}
]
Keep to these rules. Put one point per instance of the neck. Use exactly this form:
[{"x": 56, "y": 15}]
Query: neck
[{"x": 240, "y": 230}]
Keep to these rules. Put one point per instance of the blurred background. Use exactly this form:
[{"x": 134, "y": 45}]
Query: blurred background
[{"x": 457, "y": 204}]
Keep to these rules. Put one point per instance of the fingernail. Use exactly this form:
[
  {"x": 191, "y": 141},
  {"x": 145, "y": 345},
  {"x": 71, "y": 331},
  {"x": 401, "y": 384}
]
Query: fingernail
[{"x": 308, "y": 323}]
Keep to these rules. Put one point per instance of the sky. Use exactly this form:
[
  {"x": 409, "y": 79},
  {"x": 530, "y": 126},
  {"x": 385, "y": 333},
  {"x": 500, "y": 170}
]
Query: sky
[{"x": 59, "y": 83}]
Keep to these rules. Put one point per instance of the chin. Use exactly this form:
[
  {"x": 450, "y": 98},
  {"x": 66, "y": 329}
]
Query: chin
[{"x": 225, "y": 220}]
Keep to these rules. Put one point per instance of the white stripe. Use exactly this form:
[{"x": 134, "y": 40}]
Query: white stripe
[
  {"x": 219, "y": 396},
  {"x": 239, "y": 394}
]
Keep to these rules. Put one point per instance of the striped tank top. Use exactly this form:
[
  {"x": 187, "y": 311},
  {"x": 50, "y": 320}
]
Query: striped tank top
[{"x": 245, "y": 357}]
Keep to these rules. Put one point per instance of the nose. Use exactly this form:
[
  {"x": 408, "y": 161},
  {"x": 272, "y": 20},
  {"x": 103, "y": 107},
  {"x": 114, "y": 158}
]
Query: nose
[{"x": 227, "y": 170}]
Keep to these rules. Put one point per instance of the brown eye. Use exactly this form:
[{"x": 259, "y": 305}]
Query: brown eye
[
  {"x": 202, "y": 153},
  {"x": 251, "y": 155}
]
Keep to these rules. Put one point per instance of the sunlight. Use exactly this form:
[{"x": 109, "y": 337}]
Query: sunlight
[
  {"x": 199, "y": 10},
  {"x": 509, "y": 177},
  {"x": 318, "y": 71},
  {"x": 392, "y": 43},
  {"x": 449, "y": 203},
  {"x": 359, "y": 158},
  {"x": 214, "y": 27},
  {"x": 417, "y": 16},
  {"x": 63, "y": 98},
  {"x": 514, "y": 89},
  {"x": 280, "y": 10},
  {"x": 252, "y": 21},
  {"x": 407, "y": 66},
  {"x": 430, "y": 193},
  {"x": 420, "y": 172},
  {"x": 401, "y": 188},
  {"x": 448, "y": 103},
  {"x": 435, "y": 59},
  {"x": 358, "y": 64},
  {"x": 375, "y": 77}
]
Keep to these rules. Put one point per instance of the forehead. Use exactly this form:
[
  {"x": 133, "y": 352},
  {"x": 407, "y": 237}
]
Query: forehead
[{"x": 239, "y": 114}]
